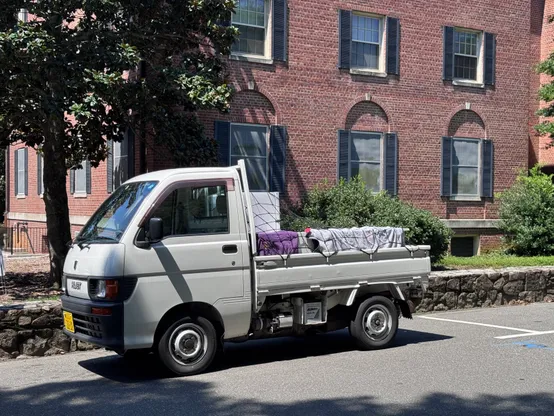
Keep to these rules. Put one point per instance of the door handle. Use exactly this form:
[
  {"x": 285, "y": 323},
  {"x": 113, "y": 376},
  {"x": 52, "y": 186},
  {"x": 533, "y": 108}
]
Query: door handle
[{"x": 230, "y": 249}]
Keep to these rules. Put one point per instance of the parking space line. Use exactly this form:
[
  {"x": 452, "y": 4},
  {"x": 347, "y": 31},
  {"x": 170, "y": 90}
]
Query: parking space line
[
  {"x": 526, "y": 335},
  {"x": 527, "y": 331}
]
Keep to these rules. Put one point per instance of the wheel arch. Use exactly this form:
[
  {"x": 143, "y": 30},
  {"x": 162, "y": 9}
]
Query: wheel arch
[
  {"x": 202, "y": 309},
  {"x": 390, "y": 290}
]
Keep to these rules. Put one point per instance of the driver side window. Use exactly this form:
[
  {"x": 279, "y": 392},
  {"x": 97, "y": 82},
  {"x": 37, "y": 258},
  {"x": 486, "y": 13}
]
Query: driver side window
[{"x": 194, "y": 211}]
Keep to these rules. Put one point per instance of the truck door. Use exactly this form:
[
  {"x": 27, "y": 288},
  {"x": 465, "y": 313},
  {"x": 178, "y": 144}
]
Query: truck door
[{"x": 200, "y": 258}]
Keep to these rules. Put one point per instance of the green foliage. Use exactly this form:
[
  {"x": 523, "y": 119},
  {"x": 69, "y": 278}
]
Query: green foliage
[
  {"x": 527, "y": 214},
  {"x": 62, "y": 74},
  {"x": 351, "y": 204}
]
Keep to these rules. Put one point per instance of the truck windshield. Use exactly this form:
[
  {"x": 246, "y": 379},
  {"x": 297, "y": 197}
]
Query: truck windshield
[{"x": 109, "y": 222}]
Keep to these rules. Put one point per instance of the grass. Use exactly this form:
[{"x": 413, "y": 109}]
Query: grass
[{"x": 495, "y": 261}]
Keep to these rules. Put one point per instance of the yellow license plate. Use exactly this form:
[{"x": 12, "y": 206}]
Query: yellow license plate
[{"x": 68, "y": 321}]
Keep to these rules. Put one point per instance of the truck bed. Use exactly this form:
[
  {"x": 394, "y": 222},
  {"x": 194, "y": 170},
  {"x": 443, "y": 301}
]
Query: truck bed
[{"x": 346, "y": 269}]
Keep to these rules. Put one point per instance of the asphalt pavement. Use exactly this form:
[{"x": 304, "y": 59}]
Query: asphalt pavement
[{"x": 473, "y": 362}]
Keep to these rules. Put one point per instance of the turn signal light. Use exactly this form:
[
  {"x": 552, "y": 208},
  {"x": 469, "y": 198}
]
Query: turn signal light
[
  {"x": 101, "y": 311},
  {"x": 111, "y": 289}
]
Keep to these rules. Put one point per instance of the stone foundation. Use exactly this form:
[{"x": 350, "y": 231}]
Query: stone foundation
[
  {"x": 461, "y": 289},
  {"x": 35, "y": 329}
]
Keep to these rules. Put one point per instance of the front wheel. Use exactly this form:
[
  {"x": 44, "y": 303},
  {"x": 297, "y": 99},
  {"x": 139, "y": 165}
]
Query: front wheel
[
  {"x": 375, "y": 324},
  {"x": 188, "y": 346}
]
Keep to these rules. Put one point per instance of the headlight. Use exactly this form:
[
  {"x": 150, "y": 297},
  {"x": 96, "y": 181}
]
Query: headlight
[{"x": 105, "y": 290}]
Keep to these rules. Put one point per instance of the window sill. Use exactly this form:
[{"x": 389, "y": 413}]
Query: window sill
[
  {"x": 250, "y": 58},
  {"x": 467, "y": 83},
  {"x": 465, "y": 198},
  {"x": 79, "y": 195},
  {"x": 21, "y": 196},
  {"x": 368, "y": 72}
]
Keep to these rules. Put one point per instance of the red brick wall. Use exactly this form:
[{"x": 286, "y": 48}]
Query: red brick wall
[
  {"x": 314, "y": 99},
  {"x": 546, "y": 156}
]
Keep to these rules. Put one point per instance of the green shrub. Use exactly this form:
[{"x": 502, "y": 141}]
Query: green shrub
[
  {"x": 527, "y": 214},
  {"x": 350, "y": 204}
]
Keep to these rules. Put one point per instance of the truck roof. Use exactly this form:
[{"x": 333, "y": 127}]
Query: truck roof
[{"x": 160, "y": 175}]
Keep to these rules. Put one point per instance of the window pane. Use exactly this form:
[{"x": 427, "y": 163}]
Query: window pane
[
  {"x": 250, "y": 40},
  {"x": 248, "y": 140},
  {"x": 464, "y": 181},
  {"x": 465, "y": 67},
  {"x": 192, "y": 211},
  {"x": 256, "y": 171},
  {"x": 249, "y": 12},
  {"x": 81, "y": 180},
  {"x": 21, "y": 167},
  {"x": 465, "y": 153},
  {"x": 365, "y": 55},
  {"x": 365, "y": 29},
  {"x": 366, "y": 147},
  {"x": 370, "y": 174}
]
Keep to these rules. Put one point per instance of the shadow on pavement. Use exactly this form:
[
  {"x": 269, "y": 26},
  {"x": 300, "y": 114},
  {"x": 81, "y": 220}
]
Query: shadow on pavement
[
  {"x": 192, "y": 397},
  {"x": 249, "y": 354}
]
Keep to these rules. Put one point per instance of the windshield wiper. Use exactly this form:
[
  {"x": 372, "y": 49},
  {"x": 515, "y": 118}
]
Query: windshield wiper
[{"x": 87, "y": 241}]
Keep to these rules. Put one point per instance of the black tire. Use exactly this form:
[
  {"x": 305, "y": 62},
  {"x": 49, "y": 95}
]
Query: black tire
[
  {"x": 380, "y": 332},
  {"x": 197, "y": 341}
]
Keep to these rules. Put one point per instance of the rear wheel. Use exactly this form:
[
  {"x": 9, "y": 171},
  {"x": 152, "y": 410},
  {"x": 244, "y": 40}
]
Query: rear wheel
[
  {"x": 375, "y": 324},
  {"x": 188, "y": 346}
]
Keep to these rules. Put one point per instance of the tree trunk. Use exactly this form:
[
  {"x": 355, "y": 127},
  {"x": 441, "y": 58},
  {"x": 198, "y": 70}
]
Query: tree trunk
[{"x": 57, "y": 211}]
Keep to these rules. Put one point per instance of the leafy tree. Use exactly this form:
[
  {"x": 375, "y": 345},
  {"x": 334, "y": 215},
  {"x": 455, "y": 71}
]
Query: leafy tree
[
  {"x": 63, "y": 88},
  {"x": 527, "y": 214}
]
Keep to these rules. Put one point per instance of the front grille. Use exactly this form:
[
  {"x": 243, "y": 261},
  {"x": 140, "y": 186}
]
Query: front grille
[{"x": 87, "y": 325}]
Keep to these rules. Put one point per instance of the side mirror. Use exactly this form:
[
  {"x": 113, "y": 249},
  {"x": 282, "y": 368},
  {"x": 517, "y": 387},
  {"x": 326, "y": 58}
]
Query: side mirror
[{"x": 155, "y": 230}]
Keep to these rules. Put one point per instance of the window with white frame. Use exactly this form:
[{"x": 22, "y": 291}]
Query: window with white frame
[
  {"x": 120, "y": 162},
  {"x": 40, "y": 174},
  {"x": 367, "y": 42},
  {"x": 251, "y": 18},
  {"x": 81, "y": 180},
  {"x": 251, "y": 143},
  {"x": 465, "y": 166},
  {"x": 467, "y": 55},
  {"x": 21, "y": 169},
  {"x": 365, "y": 158}
]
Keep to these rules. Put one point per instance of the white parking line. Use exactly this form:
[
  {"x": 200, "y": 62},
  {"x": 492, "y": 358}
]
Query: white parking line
[
  {"x": 527, "y": 331},
  {"x": 526, "y": 335}
]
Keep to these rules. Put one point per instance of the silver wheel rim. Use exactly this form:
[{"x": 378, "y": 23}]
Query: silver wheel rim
[
  {"x": 188, "y": 344},
  {"x": 377, "y": 322}
]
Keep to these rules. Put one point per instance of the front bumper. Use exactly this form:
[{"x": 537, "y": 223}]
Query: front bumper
[{"x": 104, "y": 331}]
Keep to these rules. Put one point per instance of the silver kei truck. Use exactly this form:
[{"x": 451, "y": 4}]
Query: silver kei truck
[{"x": 171, "y": 263}]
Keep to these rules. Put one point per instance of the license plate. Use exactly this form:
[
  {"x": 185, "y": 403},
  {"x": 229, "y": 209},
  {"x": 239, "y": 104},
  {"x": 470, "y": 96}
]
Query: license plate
[
  {"x": 77, "y": 288},
  {"x": 68, "y": 321}
]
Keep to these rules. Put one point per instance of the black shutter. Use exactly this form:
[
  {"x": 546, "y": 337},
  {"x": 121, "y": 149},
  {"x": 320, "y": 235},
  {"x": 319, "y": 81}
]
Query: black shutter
[
  {"x": 26, "y": 165},
  {"x": 343, "y": 170},
  {"x": 393, "y": 46},
  {"x": 131, "y": 153},
  {"x": 88, "y": 177},
  {"x": 446, "y": 166},
  {"x": 391, "y": 163},
  {"x": 280, "y": 30},
  {"x": 16, "y": 176},
  {"x": 278, "y": 154},
  {"x": 223, "y": 139},
  {"x": 448, "y": 50},
  {"x": 490, "y": 58},
  {"x": 109, "y": 165},
  {"x": 487, "y": 174},
  {"x": 72, "y": 181},
  {"x": 345, "y": 37},
  {"x": 39, "y": 174}
]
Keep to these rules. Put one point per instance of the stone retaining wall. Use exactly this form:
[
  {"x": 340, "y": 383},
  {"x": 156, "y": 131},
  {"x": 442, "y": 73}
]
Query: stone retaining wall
[
  {"x": 460, "y": 289},
  {"x": 34, "y": 329}
]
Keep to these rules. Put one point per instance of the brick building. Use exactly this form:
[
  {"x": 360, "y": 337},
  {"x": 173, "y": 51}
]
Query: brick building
[{"x": 433, "y": 102}]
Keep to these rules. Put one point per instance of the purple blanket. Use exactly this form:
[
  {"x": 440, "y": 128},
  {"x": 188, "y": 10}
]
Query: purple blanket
[{"x": 278, "y": 242}]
